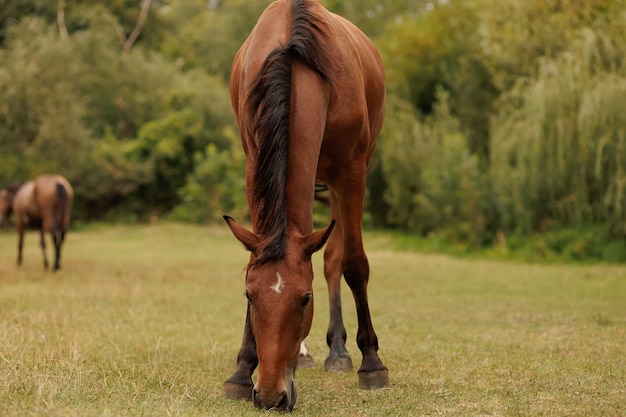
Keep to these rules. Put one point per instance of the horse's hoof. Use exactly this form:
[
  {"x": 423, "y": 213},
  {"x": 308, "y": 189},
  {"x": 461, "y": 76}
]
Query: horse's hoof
[
  {"x": 237, "y": 391},
  {"x": 374, "y": 380},
  {"x": 338, "y": 364},
  {"x": 305, "y": 361}
]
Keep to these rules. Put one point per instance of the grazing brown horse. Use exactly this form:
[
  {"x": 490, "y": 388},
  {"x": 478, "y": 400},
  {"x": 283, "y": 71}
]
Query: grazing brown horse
[
  {"x": 45, "y": 201},
  {"x": 308, "y": 92}
]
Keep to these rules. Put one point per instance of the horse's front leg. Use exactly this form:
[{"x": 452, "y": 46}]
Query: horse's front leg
[
  {"x": 20, "y": 245},
  {"x": 338, "y": 359},
  {"x": 239, "y": 385},
  {"x": 372, "y": 373}
]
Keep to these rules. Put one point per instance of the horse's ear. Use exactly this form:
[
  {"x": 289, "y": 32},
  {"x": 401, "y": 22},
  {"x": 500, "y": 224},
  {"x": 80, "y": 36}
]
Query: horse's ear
[
  {"x": 316, "y": 240},
  {"x": 249, "y": 239}
]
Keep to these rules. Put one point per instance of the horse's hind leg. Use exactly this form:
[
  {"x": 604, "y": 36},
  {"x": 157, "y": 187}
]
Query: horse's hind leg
[
  {"x": 338, "y": 359},
  {"x": 239, "y": 385},
  {"x": 57, "y": 237},
  {"x": 372, "y": 373},
  {"x": 42, "y": 243},
  {"x": 305, "y": 360}
]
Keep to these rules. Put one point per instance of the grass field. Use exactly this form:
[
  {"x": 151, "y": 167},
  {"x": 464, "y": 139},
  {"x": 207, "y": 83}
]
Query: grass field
[{"x": 147, "y": 321}]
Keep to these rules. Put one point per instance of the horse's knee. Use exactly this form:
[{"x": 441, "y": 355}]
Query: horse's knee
[{"x": 356, "y": 271}]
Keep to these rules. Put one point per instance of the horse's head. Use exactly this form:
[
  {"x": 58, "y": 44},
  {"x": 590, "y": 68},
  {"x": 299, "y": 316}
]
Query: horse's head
[
  {"x": 6, "y": 204},
  {"x": 280, "y": 297}
]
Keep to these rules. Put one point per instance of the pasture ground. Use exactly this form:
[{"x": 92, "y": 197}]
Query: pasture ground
[{"x": 147, "y": 320}]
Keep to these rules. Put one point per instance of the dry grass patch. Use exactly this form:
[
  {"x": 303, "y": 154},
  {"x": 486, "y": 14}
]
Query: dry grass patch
[{"x": 147, "y": 320}]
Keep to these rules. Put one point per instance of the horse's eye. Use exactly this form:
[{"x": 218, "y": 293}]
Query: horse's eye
[
  {"x": 305, "y": 300},
  {"x": 248, "y": 297}
]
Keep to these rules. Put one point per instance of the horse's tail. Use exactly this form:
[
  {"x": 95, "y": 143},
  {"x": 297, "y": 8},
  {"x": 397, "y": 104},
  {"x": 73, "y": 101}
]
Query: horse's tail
[
  {"x": 269, "y": 103},
  {"x": 60, "y": 210}
]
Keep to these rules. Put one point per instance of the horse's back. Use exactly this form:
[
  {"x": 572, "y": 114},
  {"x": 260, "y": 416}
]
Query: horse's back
[
  {"x": 360, "y": 75},
  {"x": 24, "y": 205},
  {"x": 270, "y": 32},
  {"x": 356, "y": 103},
  {"x": 53, "y": 187},
  {"x": 357, "y": 79},
  {"x": 354, "y": 96}
]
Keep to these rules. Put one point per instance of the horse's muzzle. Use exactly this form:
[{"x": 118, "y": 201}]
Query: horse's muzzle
[{"x": 280, "y": 401}]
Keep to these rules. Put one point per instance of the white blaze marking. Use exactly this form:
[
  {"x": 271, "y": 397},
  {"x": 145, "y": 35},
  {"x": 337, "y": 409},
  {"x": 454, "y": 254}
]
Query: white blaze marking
[
  {"x": 303, "y": 351},
  {"x": 278, "y": 287}
]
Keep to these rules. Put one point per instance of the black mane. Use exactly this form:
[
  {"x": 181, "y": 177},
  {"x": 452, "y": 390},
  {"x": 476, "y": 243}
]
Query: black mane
[
  {"x": 14, "y": 186},
  {"x": 269, "y": 103}
]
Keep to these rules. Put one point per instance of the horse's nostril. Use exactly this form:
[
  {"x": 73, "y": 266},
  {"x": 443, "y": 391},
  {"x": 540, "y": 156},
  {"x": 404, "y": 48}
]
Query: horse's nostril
[
  {"x": 278, "y": 403},
  {"x": 283, "y": 403},
  {"x": 255, "y": 398}
]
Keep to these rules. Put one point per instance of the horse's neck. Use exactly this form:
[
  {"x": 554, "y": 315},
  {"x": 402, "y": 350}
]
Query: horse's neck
[
  {"x": 300, "y": 219},
  {"x": 310, "y": 97},
  {"x": 300, "y": 195}
]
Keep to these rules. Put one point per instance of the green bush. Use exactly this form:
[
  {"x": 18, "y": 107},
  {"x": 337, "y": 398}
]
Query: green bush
[
  {"x": 433, "y": 180},
  {"x": 216, "y": 187}
]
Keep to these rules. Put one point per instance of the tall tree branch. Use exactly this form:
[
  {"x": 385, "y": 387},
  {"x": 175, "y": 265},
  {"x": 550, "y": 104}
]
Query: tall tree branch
[
  {"x": 61, "y": 20},
  {"x": 141, "y": 20}
]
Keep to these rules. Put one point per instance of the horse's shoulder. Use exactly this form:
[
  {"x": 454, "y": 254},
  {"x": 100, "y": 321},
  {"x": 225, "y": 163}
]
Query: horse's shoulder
[
  {"x": 24, "y": 197},
  {"x": 25, "y": 189}
]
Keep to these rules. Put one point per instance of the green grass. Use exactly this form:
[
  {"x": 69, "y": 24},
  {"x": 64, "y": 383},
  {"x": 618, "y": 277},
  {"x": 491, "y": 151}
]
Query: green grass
[{"x": 147, "y": 320}]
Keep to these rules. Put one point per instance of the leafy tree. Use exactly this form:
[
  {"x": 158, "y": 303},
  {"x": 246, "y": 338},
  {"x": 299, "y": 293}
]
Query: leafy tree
[
  {"x": 373, "y": 16},
  {"x": 118, "y": 124},
  {"x": 68, "y": 14},
  {"x": 441, "y": 48},
  {"x": 208, "y": 34},
  {"x": 559, "y": 139},
  {"x": 502, "y": 116},
  {"x": 41, "y": 109},
  {"x": 12, "y": 11},
  {"x": 515, "y": 35}
]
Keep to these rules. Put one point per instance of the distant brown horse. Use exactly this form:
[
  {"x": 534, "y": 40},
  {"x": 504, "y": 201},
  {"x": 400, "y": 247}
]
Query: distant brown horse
[
  {"x": 45, "y": 201},
  {"x": 308, "y": 92}
]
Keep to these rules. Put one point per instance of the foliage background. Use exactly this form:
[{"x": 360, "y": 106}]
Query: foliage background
[{"x": 505, "y": 125}]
